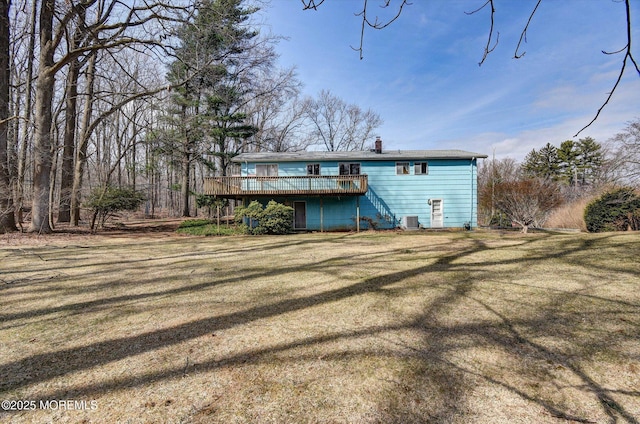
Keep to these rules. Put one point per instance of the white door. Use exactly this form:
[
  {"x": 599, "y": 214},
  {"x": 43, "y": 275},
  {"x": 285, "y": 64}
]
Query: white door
[{"x": 436, "y": 213}]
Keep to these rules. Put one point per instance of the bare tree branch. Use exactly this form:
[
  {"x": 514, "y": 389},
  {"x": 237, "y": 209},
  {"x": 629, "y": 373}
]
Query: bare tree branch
[
  {"x": 488, "y": 49},
  {"x": 491, "y": 43},
  {"x": 366, "y": 22},
  {"x": 311, "y": 4},
  {"x": 376, "y": 24},
  {"x": 523, "y": 34},
  {"x": 628, "y": 56}
]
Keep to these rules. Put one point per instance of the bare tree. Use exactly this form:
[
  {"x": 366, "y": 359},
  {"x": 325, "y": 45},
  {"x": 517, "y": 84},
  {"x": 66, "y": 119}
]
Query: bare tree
[
  {"x": 23, "y": 58},
  {"x": 278, "y": 114},
  {"x": 338, "y": 125},
  {"x": 492, "y": 173},
  {"x": 527, "y": 202},
  {"x": 70, "y": 122},
  {"x": 106, "y": 33},
  {"x": 83, "y": 142},
  {"x": 7, "y": 220},
  {"x": 624, "y": 158}
]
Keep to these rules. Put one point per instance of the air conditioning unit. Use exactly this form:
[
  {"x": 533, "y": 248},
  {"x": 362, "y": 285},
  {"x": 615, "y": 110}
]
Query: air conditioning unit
[{"x": 410, "y": 222}]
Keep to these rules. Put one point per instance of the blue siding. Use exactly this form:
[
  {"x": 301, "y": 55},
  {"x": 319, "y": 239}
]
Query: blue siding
[{"x": 390, "y": 196}]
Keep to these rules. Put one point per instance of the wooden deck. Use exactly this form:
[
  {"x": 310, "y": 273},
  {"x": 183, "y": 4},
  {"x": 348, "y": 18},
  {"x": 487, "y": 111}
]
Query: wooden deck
[{"x": 310, "y": 185}]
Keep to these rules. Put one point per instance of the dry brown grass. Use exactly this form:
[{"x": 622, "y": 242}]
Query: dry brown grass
[
  {"x": 570, "y": 215},
  {"x": 479, "y": 327}
]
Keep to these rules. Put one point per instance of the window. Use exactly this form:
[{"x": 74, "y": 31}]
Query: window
[
  {"x": 421, "y": 168},
  {"x": 349, "y": 168},
  {"x": 313, "y": 169},
  {"x": 270, "y": 170},
  {"x": 402, "y": 168}
]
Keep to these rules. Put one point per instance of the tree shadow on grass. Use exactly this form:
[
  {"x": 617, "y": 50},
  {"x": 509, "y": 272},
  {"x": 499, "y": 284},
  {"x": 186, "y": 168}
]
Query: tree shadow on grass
[
  {"x": 91, "y": 305},
  {"x": 437, "y": 344}
]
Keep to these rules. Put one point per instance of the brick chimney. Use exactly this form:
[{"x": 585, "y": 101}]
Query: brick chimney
[{"x": 378, "y": 145}]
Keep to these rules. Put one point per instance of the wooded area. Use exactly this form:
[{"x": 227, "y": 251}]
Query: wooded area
[{"x": 152, "y": 96}]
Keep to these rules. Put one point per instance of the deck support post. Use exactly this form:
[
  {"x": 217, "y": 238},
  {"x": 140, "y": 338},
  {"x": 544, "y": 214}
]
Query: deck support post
[
  {"x": 357, "y": 214},
  {"x": 321, "y": 216}
]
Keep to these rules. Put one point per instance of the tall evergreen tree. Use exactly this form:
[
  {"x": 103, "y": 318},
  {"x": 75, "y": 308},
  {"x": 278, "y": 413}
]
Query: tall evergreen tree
[
  {"x": 543, "y": 163},
  {"x": 229, "y": 127},
  {"x": 574, "y": 163},
  {"x": 213, "y": 46},
  {"x": 589, "y": 160},
  {"x": 568, "y": 154}
]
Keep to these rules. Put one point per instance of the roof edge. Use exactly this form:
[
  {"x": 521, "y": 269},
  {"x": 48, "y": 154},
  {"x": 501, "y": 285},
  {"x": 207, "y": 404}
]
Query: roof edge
[{"x": 357, "y": 155}]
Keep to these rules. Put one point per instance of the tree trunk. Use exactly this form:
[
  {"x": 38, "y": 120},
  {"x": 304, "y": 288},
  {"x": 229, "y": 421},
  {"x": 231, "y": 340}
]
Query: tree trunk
[
  {"x": 7, "y": 217},
  {"x": 22, "y": 156},
  {"x": 186, "y": 168},
  {"x": 43, "y": 117},
  {"x": 66, "y": 178},
  {"x": 81, "y": 153},
  {"x": 133, "y": 165}
]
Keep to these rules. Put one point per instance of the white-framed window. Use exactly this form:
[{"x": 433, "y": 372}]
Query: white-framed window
[
  {"x": 402, "y": 168},
  {"x": 421, "y": 168},
  {"x": 346, "y": 168},
  {"x": 313, "y": 169},
  {"x": 267, "y": 170}
]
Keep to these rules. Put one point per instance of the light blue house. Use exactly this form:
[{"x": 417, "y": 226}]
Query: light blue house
[{"x": 332, "y": 191}]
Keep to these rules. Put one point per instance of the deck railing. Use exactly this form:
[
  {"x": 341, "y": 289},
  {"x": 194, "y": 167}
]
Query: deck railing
[{"x": 335, "y": 185}]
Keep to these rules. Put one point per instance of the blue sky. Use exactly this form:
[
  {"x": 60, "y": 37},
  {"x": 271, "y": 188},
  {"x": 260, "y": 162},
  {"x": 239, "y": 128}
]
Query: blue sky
[{"x": 421, "y": 74}]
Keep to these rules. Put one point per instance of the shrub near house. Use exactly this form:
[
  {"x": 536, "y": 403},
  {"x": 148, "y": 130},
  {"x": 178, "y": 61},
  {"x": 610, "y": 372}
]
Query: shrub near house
[
  {"x": 617, "y": 210},
  {"x": 275, "y": 218}
]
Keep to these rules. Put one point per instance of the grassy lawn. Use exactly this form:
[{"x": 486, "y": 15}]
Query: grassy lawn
[{"x": 478, "y": 327}]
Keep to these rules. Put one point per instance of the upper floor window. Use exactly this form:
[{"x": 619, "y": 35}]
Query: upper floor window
[
  {"x": 349, "y": 168},
  {"x": 313, "y": 169},
  {"x": 269, "y": 170},
  {"x": 421, "y": 168},
  {"x": 402, "y": 168}
]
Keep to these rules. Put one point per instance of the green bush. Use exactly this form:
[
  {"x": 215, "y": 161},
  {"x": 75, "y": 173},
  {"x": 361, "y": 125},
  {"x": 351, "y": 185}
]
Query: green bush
[
  {"x": 252, "y": 212},
  {"x": 616, "y": 210},
  {"x": 275, "y": 218},
  {"x": 106, "y": 201}
]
